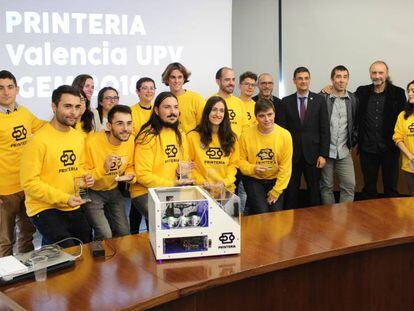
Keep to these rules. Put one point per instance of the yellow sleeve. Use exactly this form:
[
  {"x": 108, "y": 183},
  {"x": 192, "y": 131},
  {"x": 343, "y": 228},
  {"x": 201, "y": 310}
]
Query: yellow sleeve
[
  {"x": 144, "y": 164},
  {"x": 245, "y": 122},
  {"x": 232, "y": 167},
  {"x": 244, "y": 165},
  {"x": 36, "y": 123},
  {"x": 284, "y": 166},
  {"x": 399, "y": 129},
  {"x": 130, "y": 169},
  {"x": 30, "y": 169},
  {"x": 200, "y": 108},
  {"x": 89, "y": 165}
]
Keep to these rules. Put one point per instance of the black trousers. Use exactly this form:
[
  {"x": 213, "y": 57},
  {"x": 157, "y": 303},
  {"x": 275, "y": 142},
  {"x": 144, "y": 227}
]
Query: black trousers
[
  {"x": 312, "y": 176},
  {"x": 55, "y": 225},
  {"x": 256, "y": 190},
  {"x": 370, "y": 166}
]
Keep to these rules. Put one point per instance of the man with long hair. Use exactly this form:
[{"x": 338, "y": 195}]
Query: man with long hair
[
  {"x": 380, "y": 103},
  {"x": 160, "y": 146}
]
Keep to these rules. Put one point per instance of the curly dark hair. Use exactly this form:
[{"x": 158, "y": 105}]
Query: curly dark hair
[{"x": 154, "y": 125}]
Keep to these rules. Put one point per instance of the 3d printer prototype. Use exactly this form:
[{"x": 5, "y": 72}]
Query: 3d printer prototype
[{"x": 188, "y": 222}]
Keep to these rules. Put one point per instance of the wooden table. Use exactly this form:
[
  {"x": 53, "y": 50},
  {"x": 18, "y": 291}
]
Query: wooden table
[{"x": 355, "y": 256}]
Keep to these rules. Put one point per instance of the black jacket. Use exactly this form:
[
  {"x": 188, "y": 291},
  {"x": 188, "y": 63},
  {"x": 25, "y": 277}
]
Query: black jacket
[
  {"x": 394, "y": 103},
  {"x": 351, "y": 116},
  {"x": 312, "y": 137}
]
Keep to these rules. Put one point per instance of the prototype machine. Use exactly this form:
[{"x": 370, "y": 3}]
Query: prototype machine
[{"x": 191, "y": 222}]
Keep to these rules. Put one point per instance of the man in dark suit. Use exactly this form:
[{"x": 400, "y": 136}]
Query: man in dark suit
[
  {"x": 379, "y": 106},
  {"x": 305, "y": 116}
]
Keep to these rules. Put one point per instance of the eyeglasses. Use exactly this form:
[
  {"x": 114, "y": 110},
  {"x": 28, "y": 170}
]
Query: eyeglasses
[
  {"x": 249, "y": 84},
  {"x": 148, "y": 88},
  {"x": 266, "y": 83},
  {"x": 111, "y": 98}
]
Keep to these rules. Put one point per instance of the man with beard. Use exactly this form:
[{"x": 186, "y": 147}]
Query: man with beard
[
  {"x": 160, "y": 145},
  {"x": 226, "y": 81},
  {"x": 109, "y": 155},
  {"x": 191, "y": 103},
  {"x": 51, "y": 162},
  {"x": 380, "y": 103}
]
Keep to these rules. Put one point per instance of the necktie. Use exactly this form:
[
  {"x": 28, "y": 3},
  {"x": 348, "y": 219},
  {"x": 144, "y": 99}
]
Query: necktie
[{"x": 302, "y": 110}]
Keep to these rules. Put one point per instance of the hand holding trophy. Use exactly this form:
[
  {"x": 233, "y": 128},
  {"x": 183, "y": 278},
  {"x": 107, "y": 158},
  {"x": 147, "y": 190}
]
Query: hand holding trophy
[{"x": 81, "y": 185}]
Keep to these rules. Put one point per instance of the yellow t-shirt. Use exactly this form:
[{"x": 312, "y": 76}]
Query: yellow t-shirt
[
  {"x": 98, "y": 148},
  {"x": 156, "y": 161},
  {"x": 211, "y": 163},
  {"x": 249, "y": 107},
  {"x": 191, "y": 106},
  {"x": 140, "y": 115},
  {"x": 404, "y": 131},
  {"x": 15, "y": 130},
  {"x": 50, "y": 162},
  {"x": 273, "y": 150}
]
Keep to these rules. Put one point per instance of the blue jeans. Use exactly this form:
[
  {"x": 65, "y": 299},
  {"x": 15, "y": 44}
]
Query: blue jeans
[
  {"x": 55, "y": 225},
  {"x": 106, "y": 214}
]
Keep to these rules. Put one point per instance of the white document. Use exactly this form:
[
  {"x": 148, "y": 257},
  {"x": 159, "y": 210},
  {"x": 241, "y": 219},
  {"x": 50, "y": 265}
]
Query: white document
[{"x": 9, "y": 266}]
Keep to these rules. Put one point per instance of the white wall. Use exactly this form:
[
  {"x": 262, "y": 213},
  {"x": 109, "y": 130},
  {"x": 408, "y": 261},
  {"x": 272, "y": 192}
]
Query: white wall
[
  {"x": 321, "y": 34},
  {"x": 255, "y": 37}
]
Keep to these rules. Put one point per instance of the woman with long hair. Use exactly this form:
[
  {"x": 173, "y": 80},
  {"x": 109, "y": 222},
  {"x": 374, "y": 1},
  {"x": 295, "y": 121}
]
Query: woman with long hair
[
  {"x": 85, "y": 83},
  {"x": 107, "y": 98},
  {"x": 404, "y": 137},
  {"x": 213, "y": 147}
]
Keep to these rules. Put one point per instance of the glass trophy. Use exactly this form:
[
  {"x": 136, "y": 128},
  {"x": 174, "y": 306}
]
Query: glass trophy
[
  {"x": 81, "y": 190},
  {"x": 122, "y": 164},
  {"x": 184, "y": 169},
  {"x": 214, "y": 184}
]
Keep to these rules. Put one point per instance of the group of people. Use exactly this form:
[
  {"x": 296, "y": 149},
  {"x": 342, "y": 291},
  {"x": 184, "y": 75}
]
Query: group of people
[{"x": 64, "y": 177}]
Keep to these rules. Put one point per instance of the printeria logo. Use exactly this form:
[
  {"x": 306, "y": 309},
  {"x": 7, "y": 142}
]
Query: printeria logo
[
  {"x": 19, "y": 133},
  {"x": 171, "y": 151},
  {"x": 68, "y": 157},
  {"x": 214, "y": 153},
  {"x": 265, "y": 154}
]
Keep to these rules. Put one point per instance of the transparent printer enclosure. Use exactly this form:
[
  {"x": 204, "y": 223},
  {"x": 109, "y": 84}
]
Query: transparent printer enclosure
[{"x": 189, "y": 222}]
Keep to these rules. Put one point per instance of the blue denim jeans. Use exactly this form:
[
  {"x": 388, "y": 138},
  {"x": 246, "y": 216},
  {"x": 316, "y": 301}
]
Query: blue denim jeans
[{"x": 106, "y": 214}]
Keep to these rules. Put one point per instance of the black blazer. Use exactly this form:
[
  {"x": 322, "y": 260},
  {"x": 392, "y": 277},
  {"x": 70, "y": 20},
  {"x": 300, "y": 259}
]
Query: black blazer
[
  {"x": 394, "y": 103},
  {"x": 312, "y": 137}
]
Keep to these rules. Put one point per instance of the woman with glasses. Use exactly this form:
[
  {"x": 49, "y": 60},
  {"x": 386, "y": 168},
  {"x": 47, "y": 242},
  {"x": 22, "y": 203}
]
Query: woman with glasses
[
  {"x": 107, "y": 98},
  {"x": 141, "y": 111}
]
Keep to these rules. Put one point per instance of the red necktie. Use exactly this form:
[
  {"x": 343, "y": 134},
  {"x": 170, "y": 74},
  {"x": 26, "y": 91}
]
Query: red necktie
[{"x": 302, "y": 111}]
